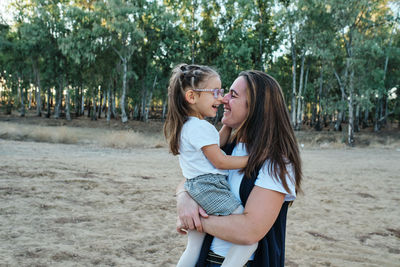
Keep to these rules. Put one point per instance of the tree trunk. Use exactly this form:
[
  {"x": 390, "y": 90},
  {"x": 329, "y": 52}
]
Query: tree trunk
[
  {"x": 377, "y": 112},
  {"x": 351, "y": 112},
  {"x": 94, "y": 110},
  {"x": 303, "y": 107},
  {"x": 108, "y": 104},
  {"x": 38, "y": 102},
  {"x": 318, "y": 126},
  {"x": 21, "y": 90},
  {"x": 164, "y": 108},
  {"x": 357, "y": 119},
  {"x": 386, "y": 98},
  {"x": 83, "y": 103},
  {"x": 113, "y": 110},
  {"x": 260, "y": 37},
  {"x": 51, "y": 101},
  {"x": 193, "y": 30},
  {"x": 146, "y": 117},
  {"x": 76, "y": 100},
  {"x": 142, "y": 113},
  {"x": 136, "y": 112},
  {"x": 299, "y": 96},
  {"x": 398, "y": 121},
  {"x": 313, "y": 113},
  {"x": 381, "y": 112},
  {"x": 30, "y": 99},
  {"x": 100, "y": 104},
  {"x": 339, "y": 120},
  {"x": 89, "y": 107},
  {"x": 39, "y": 92},
  {"x": 365, "y": 119},
  {"x": 293, "y": 102},
  {"x": 49, "y": 96},
  {"x": 103, "y": 102},
  {"x": 148, "y": 102},
  {"x": 124, "y": 118},
  {"x": 67, "y": 112},
  {"x": 59, "y": 94}
]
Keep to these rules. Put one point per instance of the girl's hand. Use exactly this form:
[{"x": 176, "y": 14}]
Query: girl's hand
[{"x": 189, "y": 213}]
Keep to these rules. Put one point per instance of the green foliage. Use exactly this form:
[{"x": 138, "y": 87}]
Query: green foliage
[{"x": 85, "y": 44}]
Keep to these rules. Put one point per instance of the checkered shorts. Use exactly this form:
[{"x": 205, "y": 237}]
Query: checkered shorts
[{"x": 212, "y": 193}]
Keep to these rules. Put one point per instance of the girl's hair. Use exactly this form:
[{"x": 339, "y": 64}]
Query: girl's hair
[
  {"x": 267, "y": 130},
  {"x": 183, "y": 78}
]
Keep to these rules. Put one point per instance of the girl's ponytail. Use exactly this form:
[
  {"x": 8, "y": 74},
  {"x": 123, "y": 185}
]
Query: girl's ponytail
[{"x": 183, "y": 77}]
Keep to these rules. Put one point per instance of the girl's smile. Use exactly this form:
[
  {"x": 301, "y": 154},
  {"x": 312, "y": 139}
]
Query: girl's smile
[{"x": 204, "y": 103}]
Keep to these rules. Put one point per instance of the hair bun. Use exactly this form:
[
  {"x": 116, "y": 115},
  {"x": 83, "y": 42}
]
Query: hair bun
[{"x": 184, "y": 67}]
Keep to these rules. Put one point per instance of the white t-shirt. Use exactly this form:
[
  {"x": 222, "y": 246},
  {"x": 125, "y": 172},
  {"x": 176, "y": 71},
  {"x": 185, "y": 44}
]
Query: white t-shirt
[
  {"x": 195, "y": 134},
  {"x": 264, "y": 180}
]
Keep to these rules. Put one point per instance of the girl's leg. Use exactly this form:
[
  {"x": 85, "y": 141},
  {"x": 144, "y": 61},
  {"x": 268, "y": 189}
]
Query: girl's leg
[
  {"x": 238, "y": 255},
  {"x": 192, "y": 251}
]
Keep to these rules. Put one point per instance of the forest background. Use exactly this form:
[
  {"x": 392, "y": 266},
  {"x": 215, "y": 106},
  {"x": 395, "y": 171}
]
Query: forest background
[
  {"x": 102, "y": 193},
  {"x": 338, "y": 61}
]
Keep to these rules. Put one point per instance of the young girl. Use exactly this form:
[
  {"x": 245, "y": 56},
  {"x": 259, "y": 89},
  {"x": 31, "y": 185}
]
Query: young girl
[{"x": 194, "y": 93}]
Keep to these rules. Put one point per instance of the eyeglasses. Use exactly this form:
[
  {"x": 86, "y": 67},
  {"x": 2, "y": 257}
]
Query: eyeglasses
[{"x": 217, "y": 92}]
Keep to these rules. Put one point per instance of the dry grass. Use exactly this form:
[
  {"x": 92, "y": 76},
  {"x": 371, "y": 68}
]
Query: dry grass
[
  {"x": 127, "y": 139},
  {"x": 133, "y": 134},
  {"x": 337, "y": 140},
  {"x": 72, "y": 135}
]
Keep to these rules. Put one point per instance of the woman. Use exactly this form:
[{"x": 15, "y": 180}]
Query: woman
[{"x": 256, "y": 109}]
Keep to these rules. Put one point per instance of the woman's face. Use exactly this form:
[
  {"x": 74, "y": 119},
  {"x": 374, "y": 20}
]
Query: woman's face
[{"x": 235, "y": 104}]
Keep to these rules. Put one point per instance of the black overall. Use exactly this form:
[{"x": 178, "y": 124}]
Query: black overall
[{"x": 271, "y": 248}]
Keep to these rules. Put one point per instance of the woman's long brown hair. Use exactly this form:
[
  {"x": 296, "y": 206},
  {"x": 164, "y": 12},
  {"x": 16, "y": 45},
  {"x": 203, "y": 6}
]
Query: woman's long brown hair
[
  {"x": 183, "y": 78},
  {"x": 267, "y": 130}
]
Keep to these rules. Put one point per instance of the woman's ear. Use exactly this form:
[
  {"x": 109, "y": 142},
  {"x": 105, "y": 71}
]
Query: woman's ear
[{"x": 190, "y": 97}]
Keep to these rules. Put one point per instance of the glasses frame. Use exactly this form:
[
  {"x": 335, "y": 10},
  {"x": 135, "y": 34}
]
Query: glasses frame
[{"x": 216, "y": 91}]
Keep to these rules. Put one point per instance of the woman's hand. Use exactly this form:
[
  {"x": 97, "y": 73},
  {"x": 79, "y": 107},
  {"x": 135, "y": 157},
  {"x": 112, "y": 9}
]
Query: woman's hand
[{"x": 189, "y": 213}]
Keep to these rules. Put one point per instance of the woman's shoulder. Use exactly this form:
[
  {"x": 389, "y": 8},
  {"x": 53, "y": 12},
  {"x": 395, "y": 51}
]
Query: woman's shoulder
[{"x": 268, "y": 178}]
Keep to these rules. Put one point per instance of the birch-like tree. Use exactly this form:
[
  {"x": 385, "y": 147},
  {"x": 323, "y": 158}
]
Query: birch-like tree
[{"x": 120, "y": 19}]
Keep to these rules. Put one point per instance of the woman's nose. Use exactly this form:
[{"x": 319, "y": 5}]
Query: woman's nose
[{"x": 226, "y": 98}]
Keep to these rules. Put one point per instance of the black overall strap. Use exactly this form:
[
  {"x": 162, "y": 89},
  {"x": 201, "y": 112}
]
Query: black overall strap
[
  {"x": 201, "y": 262},
  {"x": 271, "y": 248}
]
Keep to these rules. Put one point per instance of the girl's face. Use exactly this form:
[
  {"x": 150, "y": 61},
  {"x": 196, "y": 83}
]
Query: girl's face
[
  {"x": 206, "y": 105},
  {"x": 235, "y": 104}
]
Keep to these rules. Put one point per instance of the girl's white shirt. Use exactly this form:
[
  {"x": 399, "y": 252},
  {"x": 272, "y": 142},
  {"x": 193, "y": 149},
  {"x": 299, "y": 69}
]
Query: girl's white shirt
[
  {"x": 264, "y": 180},
  {"x": 195, "y": 134}
]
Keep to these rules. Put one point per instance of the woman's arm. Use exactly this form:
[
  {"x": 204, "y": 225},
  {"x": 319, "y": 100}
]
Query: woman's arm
[
  {"x": 188, "y": 211},
  {"x": 224, "y": 135},
  {"x": 251, "y": 226},
  {"x": 221, "y": 161}
]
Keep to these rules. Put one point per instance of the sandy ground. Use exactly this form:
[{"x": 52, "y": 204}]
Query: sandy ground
[{"x": 85, "y": 205}]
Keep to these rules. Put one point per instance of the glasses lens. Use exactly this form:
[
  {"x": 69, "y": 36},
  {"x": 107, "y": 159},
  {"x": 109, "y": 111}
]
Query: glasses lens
[{"x": 216, "y": 93}]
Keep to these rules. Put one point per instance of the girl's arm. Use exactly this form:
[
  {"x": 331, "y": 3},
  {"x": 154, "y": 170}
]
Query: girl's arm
[
  {"x": 255, "y": 222},
  {"x": 224, "y": 135},
  {"x": 221, "y": 161}
]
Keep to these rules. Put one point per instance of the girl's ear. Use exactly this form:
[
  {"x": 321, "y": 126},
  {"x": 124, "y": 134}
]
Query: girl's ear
[{"x": 190, "y": 97}]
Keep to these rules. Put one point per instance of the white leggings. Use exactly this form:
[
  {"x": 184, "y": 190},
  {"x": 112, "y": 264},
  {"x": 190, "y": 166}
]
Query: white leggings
[{"x": 238, "y": 255}]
